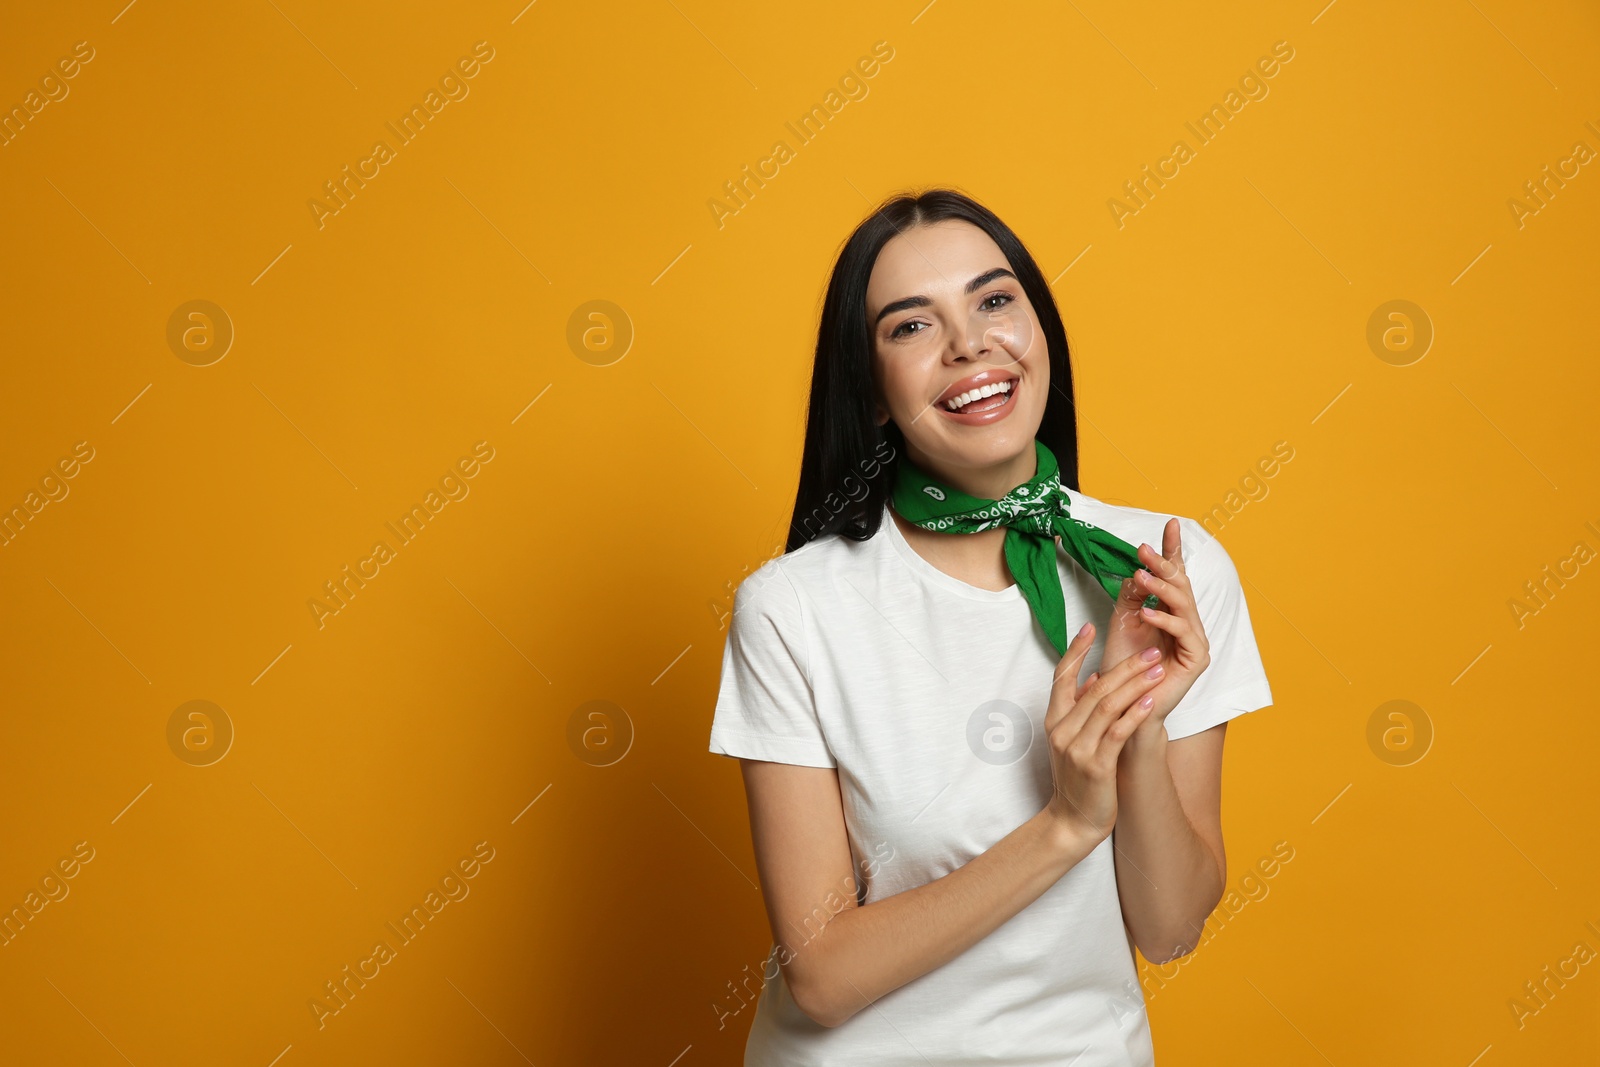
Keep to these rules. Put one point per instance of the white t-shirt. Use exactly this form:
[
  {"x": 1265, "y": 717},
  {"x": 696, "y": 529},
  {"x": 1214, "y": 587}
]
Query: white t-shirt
[{"x": 928, "y": 696}]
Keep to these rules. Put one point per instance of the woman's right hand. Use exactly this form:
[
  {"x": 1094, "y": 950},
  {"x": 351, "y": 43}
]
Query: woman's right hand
[{"x": 1086, "y": 730}]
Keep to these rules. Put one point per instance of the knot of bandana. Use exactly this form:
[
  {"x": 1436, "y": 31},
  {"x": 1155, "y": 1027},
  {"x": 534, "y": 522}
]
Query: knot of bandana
[{"x": 1035, "y": 513}]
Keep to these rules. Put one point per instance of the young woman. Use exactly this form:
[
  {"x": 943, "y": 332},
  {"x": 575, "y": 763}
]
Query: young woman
[{"x": 965, "y": 817}]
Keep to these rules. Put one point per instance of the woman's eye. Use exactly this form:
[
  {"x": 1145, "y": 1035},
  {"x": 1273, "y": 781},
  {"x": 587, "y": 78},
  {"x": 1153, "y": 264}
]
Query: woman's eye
[{"x": 904, "y": 329}]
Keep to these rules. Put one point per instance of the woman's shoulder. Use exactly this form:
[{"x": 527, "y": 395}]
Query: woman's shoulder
[{"x": 817, "y": 564}]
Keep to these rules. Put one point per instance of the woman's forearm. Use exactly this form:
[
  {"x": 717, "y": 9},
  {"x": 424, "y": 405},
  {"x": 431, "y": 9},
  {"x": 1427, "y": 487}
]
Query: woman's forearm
[
  {"x": 1167, "y": 877},
  {"x": 867, "y": 951}
]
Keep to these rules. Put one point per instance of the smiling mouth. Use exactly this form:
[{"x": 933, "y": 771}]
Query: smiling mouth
[{"x": 984, "y": 398}]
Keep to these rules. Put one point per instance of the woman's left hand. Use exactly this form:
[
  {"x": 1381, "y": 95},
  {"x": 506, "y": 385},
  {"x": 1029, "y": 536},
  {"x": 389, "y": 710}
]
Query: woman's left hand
[{"x": 1174, "y": 626}]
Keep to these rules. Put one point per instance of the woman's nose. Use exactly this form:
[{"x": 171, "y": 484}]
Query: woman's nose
[{"x": 1001, "y": 328}]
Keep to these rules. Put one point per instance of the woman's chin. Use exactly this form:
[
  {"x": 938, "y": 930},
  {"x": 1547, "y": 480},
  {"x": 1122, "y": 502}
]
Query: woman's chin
[{"x": 971, "y": 448}]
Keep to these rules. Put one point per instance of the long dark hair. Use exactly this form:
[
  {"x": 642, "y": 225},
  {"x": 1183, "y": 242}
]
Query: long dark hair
[{"x": 849, "y": 464}]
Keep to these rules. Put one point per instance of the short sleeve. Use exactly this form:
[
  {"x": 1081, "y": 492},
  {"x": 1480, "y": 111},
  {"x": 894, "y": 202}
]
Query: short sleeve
[
  {"x": 1235, "y": 682},
  {"x": 766, "y": 708}
]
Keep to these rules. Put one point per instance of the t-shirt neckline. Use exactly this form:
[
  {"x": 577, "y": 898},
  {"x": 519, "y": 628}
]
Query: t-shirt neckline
[{"x": 932, "y": 575}]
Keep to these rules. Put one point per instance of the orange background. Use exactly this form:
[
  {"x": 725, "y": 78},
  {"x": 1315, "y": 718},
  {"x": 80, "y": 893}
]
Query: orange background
[{"x": 447, "y": 702}]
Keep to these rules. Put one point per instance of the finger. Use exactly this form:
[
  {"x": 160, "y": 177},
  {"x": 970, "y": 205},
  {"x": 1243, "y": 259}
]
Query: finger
[
  {"x": 1169, "y": 561},
  {"x": 1110, "y": 707},
  {"x": 1077, "y": 648},
  {"x": 1117, "y": 733},
  {"x": 1125, "y": 609},
  {"x": 1177, "y": 594},
  {"x": 1166, "y": 622},
  {"x": 1172, "y": 541},
  {"x": 1070, "y": 664},
  {"x": 1073, "y": 718},
  {"x": 1190, "y": 639},
  {"x": 1087, "y": 682},
  {"x": 1131, "y": 593}
]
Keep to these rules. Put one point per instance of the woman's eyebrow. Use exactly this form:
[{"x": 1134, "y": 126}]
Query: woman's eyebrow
[{"x": 921, "y": 301}]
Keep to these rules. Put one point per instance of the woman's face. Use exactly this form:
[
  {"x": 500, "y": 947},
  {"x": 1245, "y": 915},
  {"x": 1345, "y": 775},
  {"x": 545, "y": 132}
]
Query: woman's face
[{"x": 947, "y": 317}]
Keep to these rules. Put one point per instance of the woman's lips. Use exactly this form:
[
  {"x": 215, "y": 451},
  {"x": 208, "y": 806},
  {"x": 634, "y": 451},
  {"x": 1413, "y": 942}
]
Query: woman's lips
[
  {"x": 987, "y": 376},
  {"x": 969, "y": 417}
]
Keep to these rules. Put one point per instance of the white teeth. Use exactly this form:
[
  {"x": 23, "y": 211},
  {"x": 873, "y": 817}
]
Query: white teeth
[{"x": 956, "y": 403}]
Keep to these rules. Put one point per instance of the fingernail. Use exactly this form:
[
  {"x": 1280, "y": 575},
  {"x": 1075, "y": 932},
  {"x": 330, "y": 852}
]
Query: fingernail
[
  {"x": 1082, "y": 631},
  {"x": 1153, "y": 672},
  {"x": 1150, "y": 653}
]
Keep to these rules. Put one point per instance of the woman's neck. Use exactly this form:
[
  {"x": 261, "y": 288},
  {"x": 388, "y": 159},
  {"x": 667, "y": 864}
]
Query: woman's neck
[
  {"x": 984, "y": 483},
  {"x": 977, "y": 559}
]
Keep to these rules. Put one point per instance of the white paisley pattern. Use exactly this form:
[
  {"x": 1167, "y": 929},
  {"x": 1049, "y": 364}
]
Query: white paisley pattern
[
  {"x": 1040, "y": 506},
  {"x": 1032, "y": 507}
]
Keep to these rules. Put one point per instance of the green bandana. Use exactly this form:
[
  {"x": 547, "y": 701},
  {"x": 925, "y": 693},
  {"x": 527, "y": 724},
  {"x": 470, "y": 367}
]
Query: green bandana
[{"x": 1035, "y": 512}]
